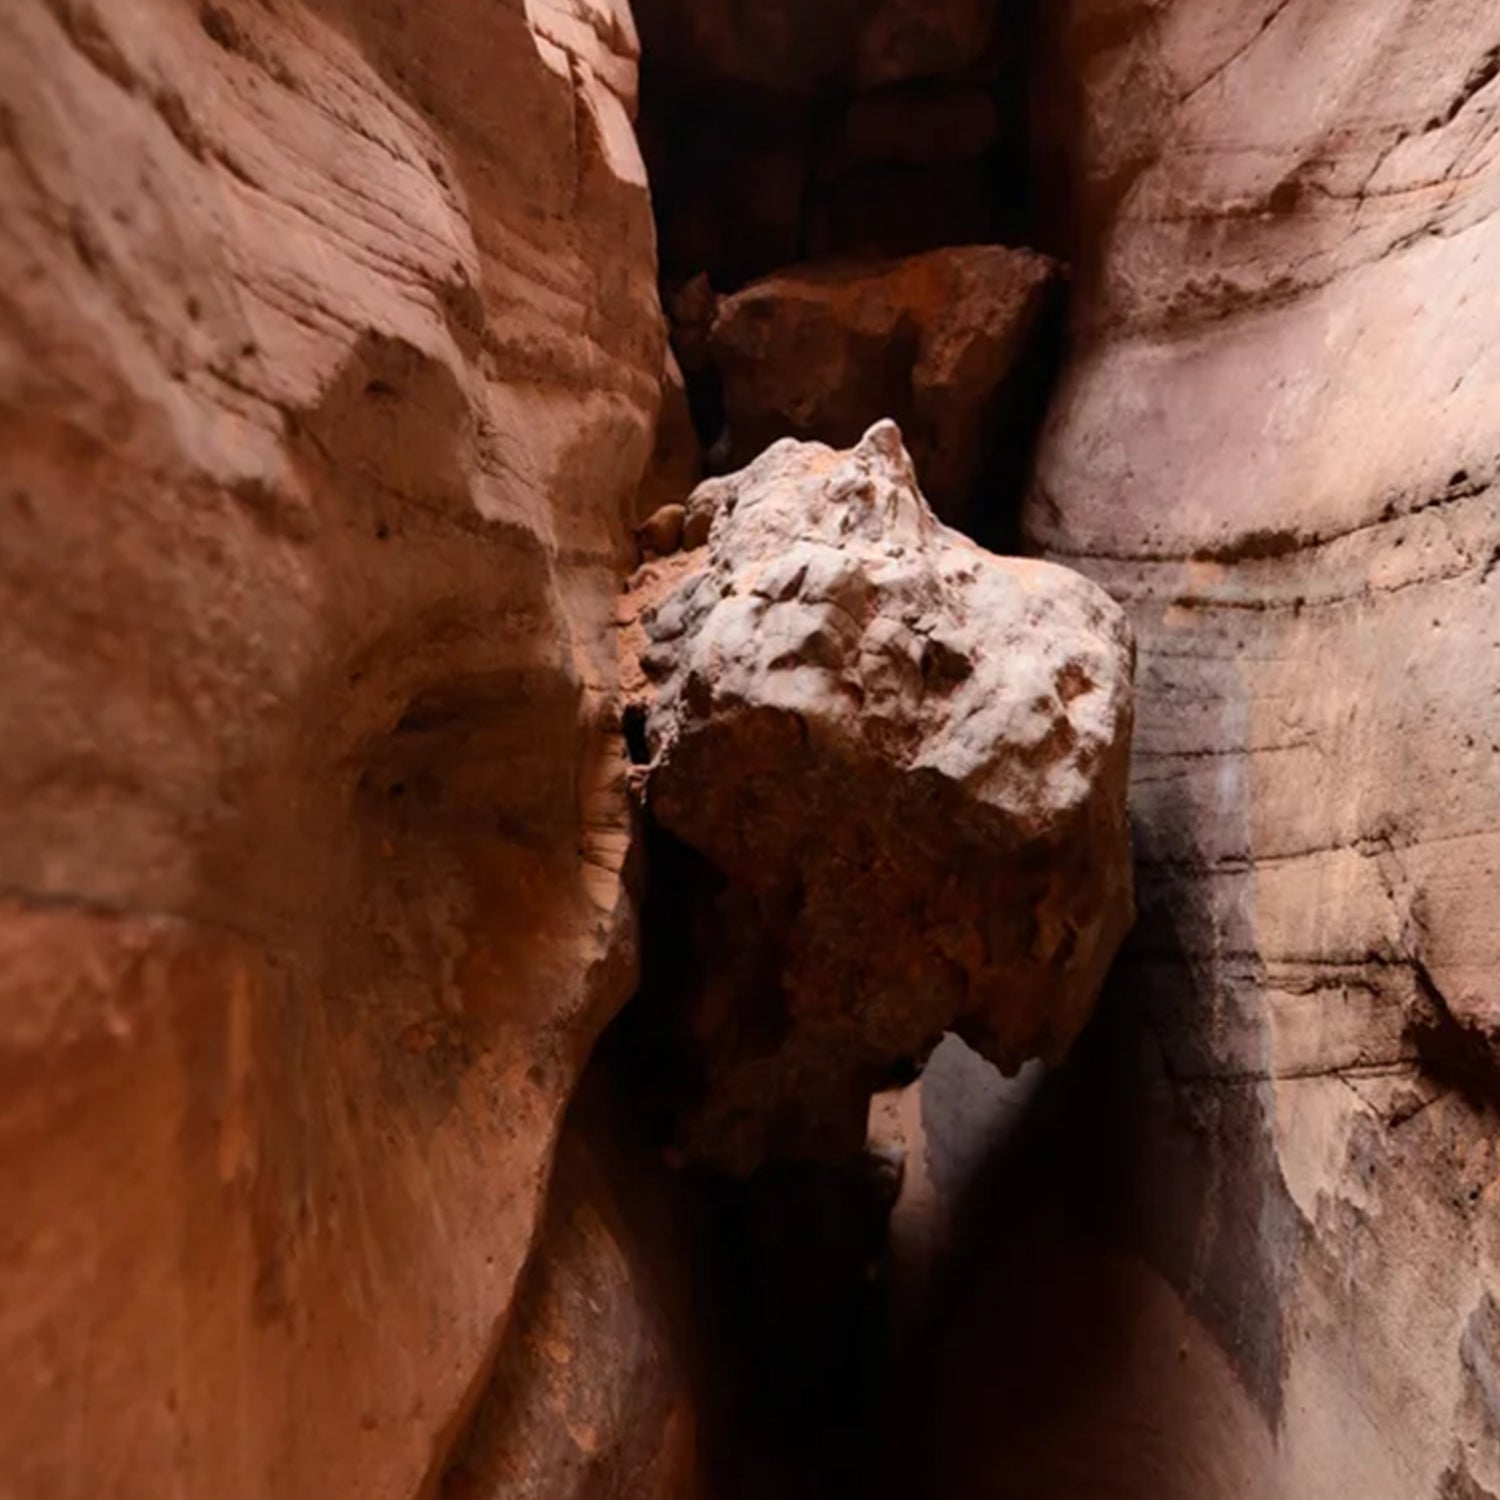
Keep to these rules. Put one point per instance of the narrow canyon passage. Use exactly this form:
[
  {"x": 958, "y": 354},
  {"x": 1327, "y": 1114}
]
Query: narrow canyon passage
[
  {"x": 528, "y": 823},
  {"x": 1123, "y": 1296}
]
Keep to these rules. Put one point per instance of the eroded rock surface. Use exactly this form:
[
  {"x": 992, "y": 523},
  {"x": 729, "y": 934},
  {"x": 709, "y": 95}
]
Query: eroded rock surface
[
  {"x": 601, "y": 1383},
  {"x": 932, "y": 342},
  {"x": 1277, "y": 446},
  {"x": 329, "y": 348},
  {"x": 900, "y": 762}
]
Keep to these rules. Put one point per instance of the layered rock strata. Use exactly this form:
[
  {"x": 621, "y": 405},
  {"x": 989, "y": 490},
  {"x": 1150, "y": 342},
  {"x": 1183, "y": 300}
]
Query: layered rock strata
[{"x": 1277, "y": 445}]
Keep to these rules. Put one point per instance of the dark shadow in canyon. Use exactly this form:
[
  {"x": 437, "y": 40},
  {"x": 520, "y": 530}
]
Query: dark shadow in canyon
[
  {"x": 772, "y": 141},
  {"x": 834, "y": 1357},
  {"x": 1046, "y": 1340}
]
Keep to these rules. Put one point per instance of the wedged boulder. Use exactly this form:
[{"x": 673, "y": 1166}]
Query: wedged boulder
[
  {"x": 894, "y": 767},
  {"x": 931, "y": 341}
]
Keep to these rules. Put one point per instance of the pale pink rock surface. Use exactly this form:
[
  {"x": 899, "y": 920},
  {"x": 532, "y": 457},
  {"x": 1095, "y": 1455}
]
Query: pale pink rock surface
[{"x": 1276, "y": 444}]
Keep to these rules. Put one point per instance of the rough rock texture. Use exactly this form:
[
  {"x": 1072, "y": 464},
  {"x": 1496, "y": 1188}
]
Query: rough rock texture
[
  {"x": 900, "y": 761},
  {"x": 934, "y": 342},
  {"x": 328, "y": 360},
  {"x": 597, "y": 1388},
  {"x": 1277, "y": 444}
]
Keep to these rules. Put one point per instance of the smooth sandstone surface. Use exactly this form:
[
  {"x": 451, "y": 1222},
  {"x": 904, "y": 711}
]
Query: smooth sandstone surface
[
  {"x": 1276, "y": 444},
  {"x": 329, "y": 350},
  {"x": 601, "y": 1386},
  {"x": 902, "y": 761}
]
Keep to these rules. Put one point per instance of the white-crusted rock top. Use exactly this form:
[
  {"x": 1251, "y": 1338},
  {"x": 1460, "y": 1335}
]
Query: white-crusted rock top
[{"x": 905, "y": 758}]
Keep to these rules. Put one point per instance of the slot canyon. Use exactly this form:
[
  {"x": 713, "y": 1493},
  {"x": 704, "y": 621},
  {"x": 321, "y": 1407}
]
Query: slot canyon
[{"x": 752, "y": 748}]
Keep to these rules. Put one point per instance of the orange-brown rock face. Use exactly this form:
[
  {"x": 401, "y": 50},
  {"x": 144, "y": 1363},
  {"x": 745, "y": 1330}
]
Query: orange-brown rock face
[
  {"x": 597, "y": 1390},
  {"x": 931, "y": 342},
  {"x": 328, "y": 359},
  {"x": 1278, "y": 446},
  {"x": 901, "y": 762}
]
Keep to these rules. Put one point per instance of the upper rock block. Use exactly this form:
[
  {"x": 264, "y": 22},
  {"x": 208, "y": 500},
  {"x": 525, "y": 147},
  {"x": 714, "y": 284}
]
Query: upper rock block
[{"x": 933, "y": 341}]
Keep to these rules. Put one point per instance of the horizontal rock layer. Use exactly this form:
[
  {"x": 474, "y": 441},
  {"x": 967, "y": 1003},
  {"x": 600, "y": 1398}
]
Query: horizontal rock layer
[{"x": 1277, "y": 445}]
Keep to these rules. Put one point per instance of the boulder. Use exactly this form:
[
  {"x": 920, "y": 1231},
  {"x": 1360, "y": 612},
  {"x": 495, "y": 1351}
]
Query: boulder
[
  {"x": 936, "y": 342},
  {"x": 894, "y": 765}
]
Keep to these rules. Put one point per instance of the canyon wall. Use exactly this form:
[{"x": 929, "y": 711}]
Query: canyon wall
[
  {"x": 601, "y": 1388},
  {"x": 1278, "y": 443},
  {"x": 329, "y": 348}
]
